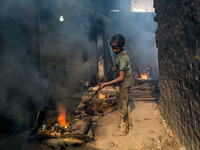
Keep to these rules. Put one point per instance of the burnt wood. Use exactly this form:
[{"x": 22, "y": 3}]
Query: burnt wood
[{"x": 78, "y": 128}]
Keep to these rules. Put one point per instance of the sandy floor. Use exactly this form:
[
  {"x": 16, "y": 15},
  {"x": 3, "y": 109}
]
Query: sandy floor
[{"x": 147, "y": 127}]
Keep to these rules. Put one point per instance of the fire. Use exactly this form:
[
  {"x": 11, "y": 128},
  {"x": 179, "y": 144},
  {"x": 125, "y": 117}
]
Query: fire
[
  {"x": 100, "y": 95},
  {"x": 62, "y": 117},
  {"x": 144, "y": 76}
]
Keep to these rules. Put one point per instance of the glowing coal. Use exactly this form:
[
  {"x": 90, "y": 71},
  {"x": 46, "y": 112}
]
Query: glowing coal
[{"x": 144, "y": 76}]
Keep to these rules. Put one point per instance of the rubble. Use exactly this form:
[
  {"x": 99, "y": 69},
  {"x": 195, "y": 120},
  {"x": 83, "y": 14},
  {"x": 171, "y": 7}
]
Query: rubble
[{"x": 162, "y": 139}]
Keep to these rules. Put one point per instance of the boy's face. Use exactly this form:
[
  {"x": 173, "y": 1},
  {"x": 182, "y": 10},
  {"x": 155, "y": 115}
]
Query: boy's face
[{"x": 117, "y": 49}]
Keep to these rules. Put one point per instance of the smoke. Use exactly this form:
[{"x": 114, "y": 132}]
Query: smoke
[
  {"x": 139, "y": 31},
  {"x": 144, "y": 47},
  {"x": 43, "y": 59},
  {"x": 21, "y": 81},
  {"x": 69, "y": 53}
]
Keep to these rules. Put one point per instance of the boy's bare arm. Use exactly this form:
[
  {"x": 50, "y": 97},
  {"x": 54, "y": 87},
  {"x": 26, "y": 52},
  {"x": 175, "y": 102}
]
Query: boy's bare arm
[{"x": 117, "y": 80}]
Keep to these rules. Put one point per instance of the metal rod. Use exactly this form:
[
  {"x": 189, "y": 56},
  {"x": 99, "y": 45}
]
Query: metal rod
[{"x": 86, "y": 103}]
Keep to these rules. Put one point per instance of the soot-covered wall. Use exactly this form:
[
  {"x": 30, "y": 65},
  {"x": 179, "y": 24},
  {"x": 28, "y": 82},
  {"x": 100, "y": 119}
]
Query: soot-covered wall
[{"x": 178, "y": 42}]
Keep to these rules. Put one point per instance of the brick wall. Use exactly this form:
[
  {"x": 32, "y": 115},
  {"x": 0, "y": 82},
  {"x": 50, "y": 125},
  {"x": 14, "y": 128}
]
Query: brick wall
[{"x": 178, "y": 42}]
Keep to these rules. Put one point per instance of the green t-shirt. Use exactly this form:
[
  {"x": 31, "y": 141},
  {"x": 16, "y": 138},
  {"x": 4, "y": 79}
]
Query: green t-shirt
[{"x": 123, "y": 64}]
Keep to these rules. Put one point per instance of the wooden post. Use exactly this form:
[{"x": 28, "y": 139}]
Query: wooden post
[{"x": 100, "y": 54}]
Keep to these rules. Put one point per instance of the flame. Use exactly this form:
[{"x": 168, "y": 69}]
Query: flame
[
  {"x": 62, "y": 117},
  {"x": 101, "y": 95},
  {"x": 144, "y": 76}
]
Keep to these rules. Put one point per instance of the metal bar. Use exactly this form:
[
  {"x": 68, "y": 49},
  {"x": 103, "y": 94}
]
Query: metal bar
[
  {"x": 139, "y": 71},
  {"x": 111, "y": 53}
]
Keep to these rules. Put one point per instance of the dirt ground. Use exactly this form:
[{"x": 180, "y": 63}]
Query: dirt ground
[
  {"x": 145, "y": 134},
  {"x": 148, "y": 126}
]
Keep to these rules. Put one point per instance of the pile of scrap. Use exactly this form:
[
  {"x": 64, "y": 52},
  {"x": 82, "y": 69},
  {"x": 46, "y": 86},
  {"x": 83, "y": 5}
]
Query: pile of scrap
[
  {"x": 49, "y": 130},
  {"x": 99, "y": 100},
  {"x": 76, "y": 129}
]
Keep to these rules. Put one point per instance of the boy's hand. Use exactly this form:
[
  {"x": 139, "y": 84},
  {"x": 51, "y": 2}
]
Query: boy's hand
[
  {"x": 102, "y": 85},
  {"x": 114, "y": 69}
]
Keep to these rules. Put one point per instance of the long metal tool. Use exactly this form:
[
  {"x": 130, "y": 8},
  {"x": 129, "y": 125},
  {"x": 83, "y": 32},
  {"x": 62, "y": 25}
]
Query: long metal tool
[
  {"x": 86, "y": 103},
  {"x": 131, "y": 89}
]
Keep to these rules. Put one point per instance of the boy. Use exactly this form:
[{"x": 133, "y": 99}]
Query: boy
[{"x": 125, "y": 80}]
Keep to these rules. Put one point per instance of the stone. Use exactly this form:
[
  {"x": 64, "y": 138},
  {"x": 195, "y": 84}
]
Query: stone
[
  {"x": 162, "y": 139},
  {"x": 170, "y": 134}
]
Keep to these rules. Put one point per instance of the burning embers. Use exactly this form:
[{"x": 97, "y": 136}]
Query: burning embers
[
  {"x": 62, "y": 127},
  {"x": 50, "y": 127},
  {"x": 144, "y": 76},
  {"x": 103, "y": 101},
  {"x": 145, "y": 73},
  {"x": 62, "y": 117},
  {"x": 101, "y": 95}
]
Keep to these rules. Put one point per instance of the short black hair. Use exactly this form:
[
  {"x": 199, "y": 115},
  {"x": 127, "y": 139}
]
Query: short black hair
[{"x": 117, "y": 40}]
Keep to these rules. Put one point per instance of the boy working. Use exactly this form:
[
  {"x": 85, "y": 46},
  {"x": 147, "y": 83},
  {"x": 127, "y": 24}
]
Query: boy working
[{"x": 125, "y": 81}]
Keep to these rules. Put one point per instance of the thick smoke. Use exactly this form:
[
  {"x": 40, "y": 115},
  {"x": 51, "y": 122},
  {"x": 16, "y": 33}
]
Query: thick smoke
[
  {"x": 22, "y": 85},
  {"x": 43, "y": 59},
  {"x": 69, "y": 54}
]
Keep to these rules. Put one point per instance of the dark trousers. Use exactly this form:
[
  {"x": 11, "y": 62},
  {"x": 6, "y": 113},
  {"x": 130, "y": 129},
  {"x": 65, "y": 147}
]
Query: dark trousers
[{"x": 124, "y": 109}]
